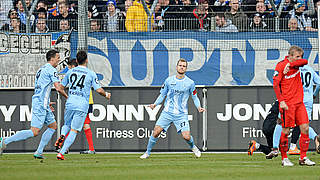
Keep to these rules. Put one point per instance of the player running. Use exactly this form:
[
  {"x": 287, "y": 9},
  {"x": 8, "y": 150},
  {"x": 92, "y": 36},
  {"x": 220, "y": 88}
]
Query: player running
[
  {"x": 41, "y": 107},
  {"x": 80, "y": 79}
]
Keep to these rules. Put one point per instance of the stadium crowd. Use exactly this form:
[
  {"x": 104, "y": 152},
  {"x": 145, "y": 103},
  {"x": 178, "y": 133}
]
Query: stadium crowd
[{"x": 169, "y": 15}]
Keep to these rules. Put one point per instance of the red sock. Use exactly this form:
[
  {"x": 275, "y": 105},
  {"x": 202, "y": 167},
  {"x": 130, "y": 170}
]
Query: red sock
[
  {"x": 304, "y": 145},
  {"x": 283, "y": 145},
  {"x": 66, "y": 135},
  {"x": 88, "y": 133}
]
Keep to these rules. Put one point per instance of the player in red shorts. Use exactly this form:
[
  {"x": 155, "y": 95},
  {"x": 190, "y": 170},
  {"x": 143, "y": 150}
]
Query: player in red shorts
[{"x": 289, "y": 91}]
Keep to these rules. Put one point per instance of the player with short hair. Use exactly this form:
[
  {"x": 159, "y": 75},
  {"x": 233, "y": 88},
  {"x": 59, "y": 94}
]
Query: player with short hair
[
  {"x": 177, "y": 88},
  {"x": 86, "y": 127},
  {"x": 289, "y": 91},
  {"x": 41, "y": 107},
  {"x": 80, "y": 79}
]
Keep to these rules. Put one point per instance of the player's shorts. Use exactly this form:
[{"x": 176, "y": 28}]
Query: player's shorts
[
  {"x": 87, "y": 121},
  {"x": 41, "y": 116},
  {"x": 74, "y": 119},
  {"x": 180, "y": 121},
  {"x": 295, "y": 115}
]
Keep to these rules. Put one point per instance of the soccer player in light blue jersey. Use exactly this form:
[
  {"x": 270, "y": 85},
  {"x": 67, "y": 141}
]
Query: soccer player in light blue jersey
[
  {"x": 41, "y": 107},
  {"x": 80, "y": 80},
  {"x": 177, "y": 90}
]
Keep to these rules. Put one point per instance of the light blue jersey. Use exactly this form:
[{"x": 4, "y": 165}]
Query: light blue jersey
[
  {"x": 178, "y": 92},
  {"x": 309, "y": 78},
  {"x": 45, "y": 77},
  {"x": 80, "y": 80}
]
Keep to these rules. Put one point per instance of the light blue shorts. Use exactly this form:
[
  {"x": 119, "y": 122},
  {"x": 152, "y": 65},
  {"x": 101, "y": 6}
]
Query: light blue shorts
[
  {"x": 180, "y": 121},
  {"x": 74, "y": 119},
  {"x": 41, "y": 116}
]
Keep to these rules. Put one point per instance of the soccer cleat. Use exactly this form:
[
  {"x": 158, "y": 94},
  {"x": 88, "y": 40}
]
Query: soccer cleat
[
  {"x": 60, "y": 156},
  {"x": 144, "y": 155},
  {"x": 317, "y": 143},
  {"x": 286, "y": 162},
  {"x": 196, "y": 151},
  {"x": 36, "y": 155},
  {"x": 306, "y": 161},
  {"x": 2, "y": 145},
  {"x": 59, "y": 143},
  {"x": 272, "y": 154},
  {"x": 296, "y": 151},
  {"x": 252, "y": 147},
  {"x": 88, "y": 152}
]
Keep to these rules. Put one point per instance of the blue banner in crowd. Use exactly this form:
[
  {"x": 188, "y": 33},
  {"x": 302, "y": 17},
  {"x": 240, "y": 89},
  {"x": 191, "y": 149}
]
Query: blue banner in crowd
[{"x": 215, "y": 59}]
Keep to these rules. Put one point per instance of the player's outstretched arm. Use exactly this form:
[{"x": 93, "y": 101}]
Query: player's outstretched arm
[
  {"x": 60, "y": 88},
  {"x": 103, "y": 93}
]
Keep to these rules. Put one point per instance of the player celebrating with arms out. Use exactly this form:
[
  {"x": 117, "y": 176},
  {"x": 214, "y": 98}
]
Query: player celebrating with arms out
[
  {"x": 289, "y": 91},
  {"x": 177, "y": 89}
]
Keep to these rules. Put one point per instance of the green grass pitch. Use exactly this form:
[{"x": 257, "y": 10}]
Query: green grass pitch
[{"x": 182, "y": 166}]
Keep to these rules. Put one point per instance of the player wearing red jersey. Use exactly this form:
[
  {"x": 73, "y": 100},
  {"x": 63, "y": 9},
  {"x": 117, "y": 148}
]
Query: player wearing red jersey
[{"x": 289, "y": 91}]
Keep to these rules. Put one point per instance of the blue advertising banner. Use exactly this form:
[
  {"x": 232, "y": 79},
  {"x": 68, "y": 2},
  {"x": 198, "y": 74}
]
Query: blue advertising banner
[{"x": 215, "y": 59}]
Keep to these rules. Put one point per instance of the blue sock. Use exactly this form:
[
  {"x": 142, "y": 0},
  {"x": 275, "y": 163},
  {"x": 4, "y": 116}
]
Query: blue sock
[
  {"x": 190, "y": 142},
  {"x": 46, "y": 136},
  {"x": 19, "y": 136},
  {"x": 312, "y": 133},
  {"x": 276, "y": 136},
  {"x": 65, "y": 129},
  {"x": 68, "y": 142},
  {"x": 151, "y": 143}
]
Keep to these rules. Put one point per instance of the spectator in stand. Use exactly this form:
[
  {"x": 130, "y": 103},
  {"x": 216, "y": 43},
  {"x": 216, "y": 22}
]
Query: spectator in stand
[
  {"x": 287, "y": 7},
  {"x": 41, "y": 26},
  {"x": 304, "y": 22},
  {"x": 22, "y": 14},
  {"x": 314, "y": 16},
  {"x": 65, "y": 14},
  {"x": 95, "y": 25},
  {"x": 293, "y": 25},
  {"x": 64, "y": 25},
  {"x": 11, "y": 15},
  {"x": 257, "y": 24},
  {"x": 236, "y": 15},
  {"x": 54, "y": 11},
  {"x": 42, "y": 4},
  {"x": 136, "y": 20},
  {"x": 113, "y": 19},
  {"x": 41, "y": 13},
  {"x": 262, "y": 10},
  {"x": 165, "y": 16},
  {"x": 202, "y": 21},
  {"x": 223, "y": 24},
  {"x": 17, "y": 26}
]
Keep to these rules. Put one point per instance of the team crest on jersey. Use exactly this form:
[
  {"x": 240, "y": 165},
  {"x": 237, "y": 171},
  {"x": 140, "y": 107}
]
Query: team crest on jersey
[
  {"x": 275, "y": 73},
  {"x": 96, "y": 79}
]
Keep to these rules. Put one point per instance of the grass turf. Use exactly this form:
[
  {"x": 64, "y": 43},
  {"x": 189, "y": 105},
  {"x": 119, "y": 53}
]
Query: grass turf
[{"x": 159, "y": 166}]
